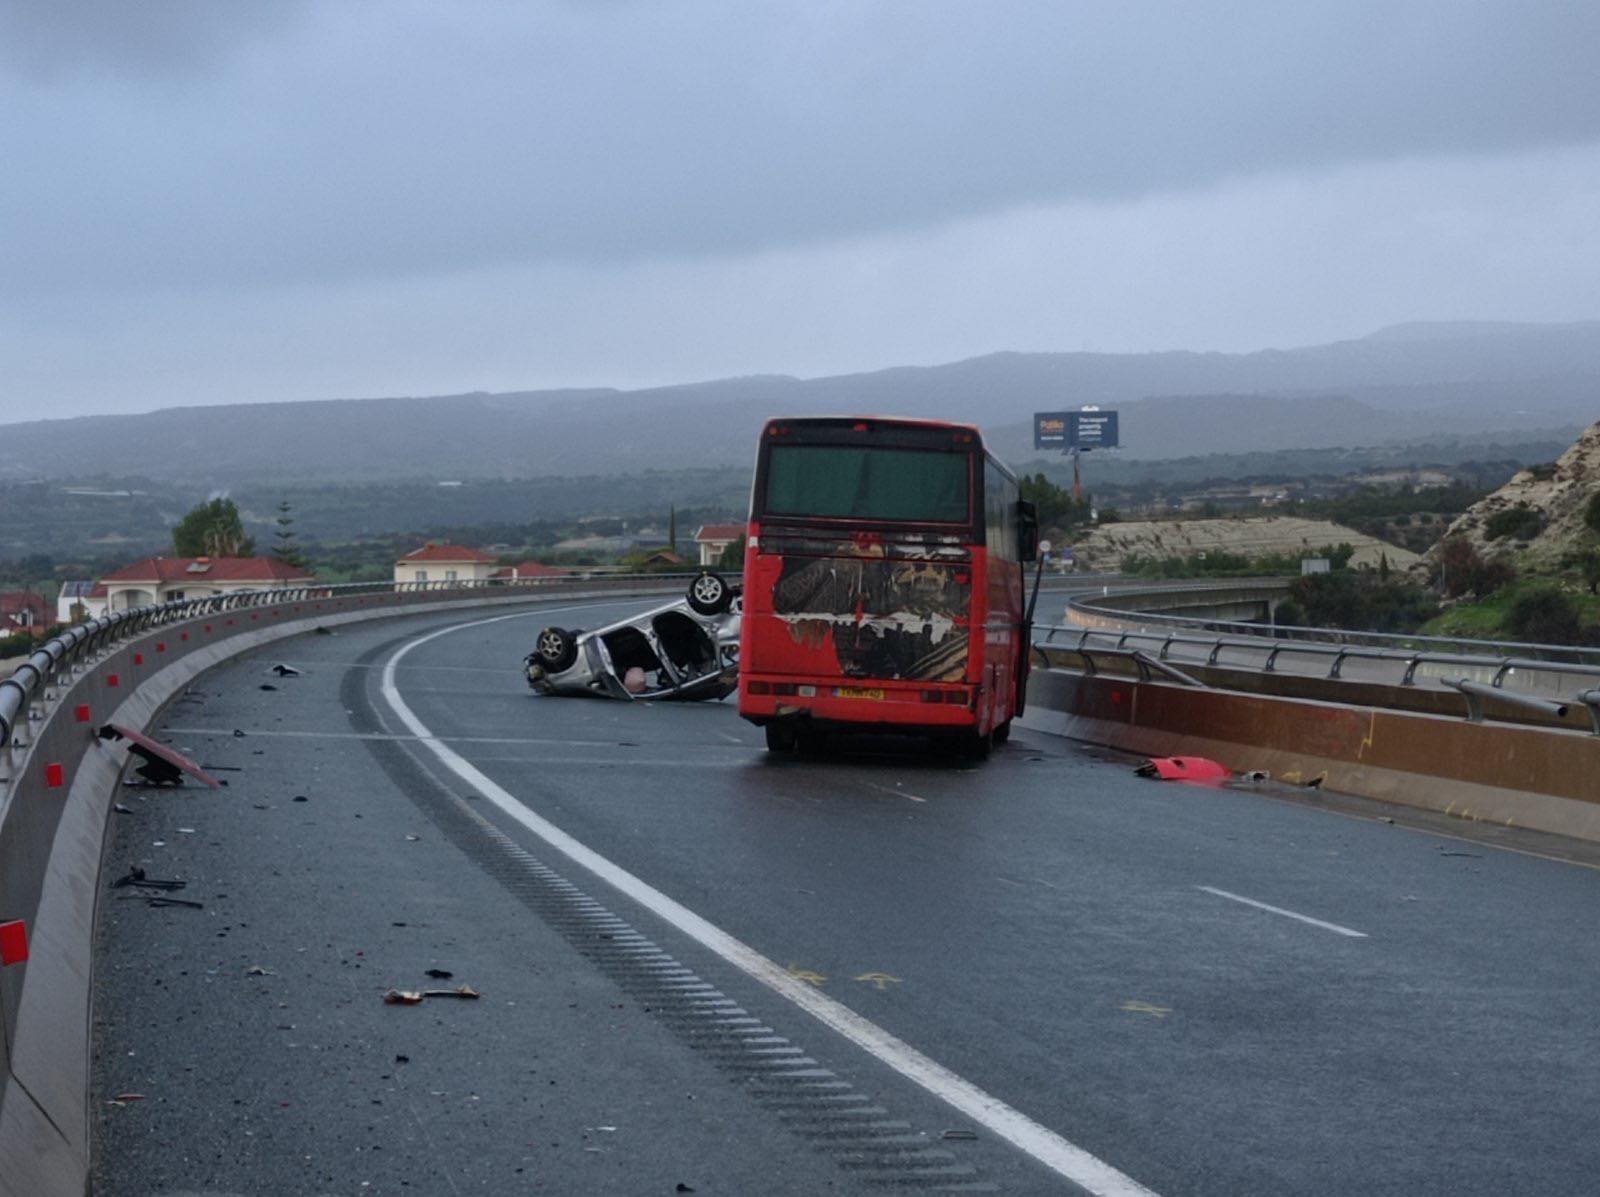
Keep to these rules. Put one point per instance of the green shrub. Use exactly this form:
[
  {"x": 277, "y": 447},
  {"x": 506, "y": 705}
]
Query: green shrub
[
  {"x": 1591, "y": 512},
  {"x": 1520, "y": 523},
  {"x": 1545, "y": 616}
]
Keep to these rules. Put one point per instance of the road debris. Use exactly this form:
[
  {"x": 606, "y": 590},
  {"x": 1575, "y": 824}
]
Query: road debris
[
  {"x": 257, "y": 970},
  {"x": 123, "y": 1099},
  {"x": 285, "y": 670},
  {"x": 120, "y": 809},
  {"x": 299, "y": 798},
  {"x": 266, "y": 686},
  {"x": 1183, "y": 768},
  {"x": 439, "y": 974},
  {"x": 412, "y": 838},
  {"x": 136, "y": 876},
  {"x": 414, "y": 997},
  {"x": 158, "y": 900},
  {"x": 959, "y": 1134}
]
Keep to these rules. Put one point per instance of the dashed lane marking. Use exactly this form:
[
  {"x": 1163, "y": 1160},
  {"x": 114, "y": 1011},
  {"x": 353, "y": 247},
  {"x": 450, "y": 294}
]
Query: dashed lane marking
[
  {"x": 1288, "y": 914},
  {"x": 1061, "y": 1156}
]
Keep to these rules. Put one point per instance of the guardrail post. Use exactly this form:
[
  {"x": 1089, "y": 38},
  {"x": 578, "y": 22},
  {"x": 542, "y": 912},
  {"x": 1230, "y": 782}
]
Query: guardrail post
[{"x": 1591, "y": 701}]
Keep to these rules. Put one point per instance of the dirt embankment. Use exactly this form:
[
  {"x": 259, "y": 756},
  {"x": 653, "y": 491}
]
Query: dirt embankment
[{"x": 1264, "y": 536}]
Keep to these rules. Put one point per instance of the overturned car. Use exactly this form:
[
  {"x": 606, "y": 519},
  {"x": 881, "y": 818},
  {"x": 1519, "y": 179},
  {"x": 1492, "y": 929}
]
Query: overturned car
[{"x": 687, "y": 650}]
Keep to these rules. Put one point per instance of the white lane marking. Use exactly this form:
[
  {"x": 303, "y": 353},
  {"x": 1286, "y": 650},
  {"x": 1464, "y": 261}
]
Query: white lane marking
[
  {"x": 1043, "y": 1144},
  {"x": 1288, "y": 914}
]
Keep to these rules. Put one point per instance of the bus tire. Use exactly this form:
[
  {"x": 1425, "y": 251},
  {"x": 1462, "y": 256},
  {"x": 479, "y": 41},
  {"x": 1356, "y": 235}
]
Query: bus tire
[
  {"x": 1003, "y": 732},
  {"x": 977, "y": 747},
  {"x": 780, "y": 737},
  {"x": 709, "y": 594}
]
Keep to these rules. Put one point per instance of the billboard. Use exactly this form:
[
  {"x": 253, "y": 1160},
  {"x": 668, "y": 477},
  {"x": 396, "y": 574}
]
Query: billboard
[{"x": 1083, "y": 430}]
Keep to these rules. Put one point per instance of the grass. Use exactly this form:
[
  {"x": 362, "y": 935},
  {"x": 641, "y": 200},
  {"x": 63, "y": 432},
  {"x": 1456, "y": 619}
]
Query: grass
[{"x": 1484, "y": 619}]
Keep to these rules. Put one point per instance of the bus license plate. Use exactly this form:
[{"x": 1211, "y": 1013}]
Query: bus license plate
[{"x": 858, "y": 692}]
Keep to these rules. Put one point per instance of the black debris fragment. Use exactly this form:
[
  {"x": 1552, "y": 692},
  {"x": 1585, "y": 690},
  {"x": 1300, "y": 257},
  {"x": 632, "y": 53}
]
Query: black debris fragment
[
  {"x": 300, "y": 798},
  {"x": 136, "y": 876},
  {"x": 267, "y": 686},
  {"x": 285, "y": 671},
  {"x": 237, "y": 734},
  {"x": 439, "y": 974},
  {"x": 319, "y": 630}
]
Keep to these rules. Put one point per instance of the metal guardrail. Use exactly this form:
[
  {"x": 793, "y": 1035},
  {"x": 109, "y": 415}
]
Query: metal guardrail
[
  {"x": 1556, "y": 677},
  {"x": 1467, "y": 646},
  {"x": 32, "y": 679}
]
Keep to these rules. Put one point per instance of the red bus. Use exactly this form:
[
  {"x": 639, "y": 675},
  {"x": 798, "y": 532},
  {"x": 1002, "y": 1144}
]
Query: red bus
[{"x": 883, "y": 583}]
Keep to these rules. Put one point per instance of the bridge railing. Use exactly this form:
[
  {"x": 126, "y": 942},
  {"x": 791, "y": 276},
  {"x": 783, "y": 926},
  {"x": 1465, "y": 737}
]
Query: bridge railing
[
  {"x": 54, "y": 661},
  {"x": 1524, "y": 682},
  {"x": 1119, "y": 609}
]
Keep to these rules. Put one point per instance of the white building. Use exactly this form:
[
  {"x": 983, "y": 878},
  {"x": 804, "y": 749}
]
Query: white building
[
  {"x": 714, "y": 538},
  {"x": 168, "y": 579},
  {"x": 435, "y": 562}
]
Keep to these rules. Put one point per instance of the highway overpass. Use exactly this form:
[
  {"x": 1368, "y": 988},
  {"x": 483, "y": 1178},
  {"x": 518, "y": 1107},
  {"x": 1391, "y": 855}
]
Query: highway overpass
[{"x": 704, "y": 969}]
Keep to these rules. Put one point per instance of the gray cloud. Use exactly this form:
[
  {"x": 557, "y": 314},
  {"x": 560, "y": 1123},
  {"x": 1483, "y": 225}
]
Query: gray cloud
[{"x": 164, "y": 145}]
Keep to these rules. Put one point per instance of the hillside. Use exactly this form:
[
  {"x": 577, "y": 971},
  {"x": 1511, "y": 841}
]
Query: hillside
[
  {"x": 1109, "y": 545},
  {"x": 1537, "y": 518},
  {"x": 1402, "y": 384}
]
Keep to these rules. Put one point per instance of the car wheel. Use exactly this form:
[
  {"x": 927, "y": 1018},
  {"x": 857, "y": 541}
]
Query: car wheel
[
  {"x": 780, "y": 737},
  {"x": 709, "y": 594},
  {"x": 556, "y": 649}
]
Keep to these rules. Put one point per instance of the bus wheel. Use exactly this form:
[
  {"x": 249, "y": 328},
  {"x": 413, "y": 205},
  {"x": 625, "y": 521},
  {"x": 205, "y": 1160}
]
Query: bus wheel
[
  {"x": 780, "y": 737},
  {"x": 1003, "y": 732},
  {"x": 976, "y": 747}
]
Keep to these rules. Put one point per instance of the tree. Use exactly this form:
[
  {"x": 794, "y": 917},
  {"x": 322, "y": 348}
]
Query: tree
[
  {"x": 212, "y": 529},
  {"x": 672, "y": 527},
  {"x": 283, "y": 540},
  {"x": 1055, "y": 504},
  {"x": 1591, "y": 512},
  {"x": 732, "y": 558}
]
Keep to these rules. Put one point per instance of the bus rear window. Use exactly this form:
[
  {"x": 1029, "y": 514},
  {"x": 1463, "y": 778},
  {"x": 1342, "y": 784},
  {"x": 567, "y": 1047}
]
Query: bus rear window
[{"x": 845, "y": 482}]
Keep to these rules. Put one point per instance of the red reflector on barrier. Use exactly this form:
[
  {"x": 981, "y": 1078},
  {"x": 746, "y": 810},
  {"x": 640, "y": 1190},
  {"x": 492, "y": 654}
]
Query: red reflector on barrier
[
  {"x": 138, "y": 658},
  {"x": 81, "y": 712},
  {"x": 161, "y": 646},
  {"x": 208, "y": 627},
  {"x": 13, "y": 942},
  {"x": 183, "y": 635},
  {"x": 113, "y": 679},
  {"x": 1184, "y": 768},
  {"x": 55, "y": 775}
]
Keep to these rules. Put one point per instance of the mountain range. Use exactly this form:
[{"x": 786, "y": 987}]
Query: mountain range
[{"x": 1404, "y": 383}]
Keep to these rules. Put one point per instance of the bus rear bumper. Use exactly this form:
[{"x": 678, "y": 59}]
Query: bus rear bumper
[{"x": 862, "y": 703}]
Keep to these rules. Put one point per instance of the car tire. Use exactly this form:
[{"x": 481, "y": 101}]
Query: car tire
[
  {"x": 709, "y": 594},
  {"x": 781, "y": 737},
  {"x": 556, "y": 649}
]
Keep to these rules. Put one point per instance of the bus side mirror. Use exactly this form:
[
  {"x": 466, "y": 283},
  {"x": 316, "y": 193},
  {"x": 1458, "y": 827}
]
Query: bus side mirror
[{"x": 1027, "y": 531}]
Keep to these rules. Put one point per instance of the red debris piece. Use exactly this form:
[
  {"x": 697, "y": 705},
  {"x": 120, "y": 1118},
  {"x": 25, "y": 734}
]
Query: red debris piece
[
  {"x": 13, "y": 942},
  {"x": 1184, "y": 768},
  {"x": 143, "y": 746}
]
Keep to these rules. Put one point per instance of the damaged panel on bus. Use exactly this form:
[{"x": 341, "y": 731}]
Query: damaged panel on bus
[{"x": 883, "y": 616}]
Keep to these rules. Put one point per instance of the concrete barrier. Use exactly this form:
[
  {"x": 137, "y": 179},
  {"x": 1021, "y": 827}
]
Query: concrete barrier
[
  {"x": 1536, "y": 777},
  {"x": 59, "y": 784}
]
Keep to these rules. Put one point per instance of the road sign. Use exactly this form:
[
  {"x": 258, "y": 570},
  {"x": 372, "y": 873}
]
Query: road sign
[{"x": 1081, "y": 430}]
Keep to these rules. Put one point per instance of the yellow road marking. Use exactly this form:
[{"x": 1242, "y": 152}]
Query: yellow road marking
[{"x": 878, "y": 981}]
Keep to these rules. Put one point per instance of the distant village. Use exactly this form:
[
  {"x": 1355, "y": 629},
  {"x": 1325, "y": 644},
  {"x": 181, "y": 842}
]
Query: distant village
[{"x": 163, "y": 579}]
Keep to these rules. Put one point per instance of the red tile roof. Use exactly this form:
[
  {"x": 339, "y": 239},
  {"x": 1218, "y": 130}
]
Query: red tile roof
[
  {"x": 14, "y": 602},
  {"x": 208, "y": 569},
  {"x": 531, "y": 569},
  {"x": 722, "y": 532},
  {"x": 449, "y": 552}
]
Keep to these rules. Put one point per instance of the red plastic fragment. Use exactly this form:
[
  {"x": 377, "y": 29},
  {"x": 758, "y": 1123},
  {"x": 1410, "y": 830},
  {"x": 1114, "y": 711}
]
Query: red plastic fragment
[
  {"x": 13, "y": 941},
  {"x": 55, "y": 775},
  {"x": 1185, "y": 768}
]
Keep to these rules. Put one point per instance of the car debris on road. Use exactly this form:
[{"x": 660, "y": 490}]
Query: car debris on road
[{"x": 687, "y": 650}]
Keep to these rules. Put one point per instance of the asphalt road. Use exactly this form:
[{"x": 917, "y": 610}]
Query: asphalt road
[{"x": 1399, "y": 1012}]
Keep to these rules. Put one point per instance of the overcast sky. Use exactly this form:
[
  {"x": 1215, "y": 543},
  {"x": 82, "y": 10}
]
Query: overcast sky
[{"x": 213, "y": 202}]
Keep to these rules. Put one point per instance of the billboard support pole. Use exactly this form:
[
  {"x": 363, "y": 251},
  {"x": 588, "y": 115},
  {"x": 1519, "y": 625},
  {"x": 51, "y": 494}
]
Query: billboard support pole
[{"x": 1077, "y": 478}]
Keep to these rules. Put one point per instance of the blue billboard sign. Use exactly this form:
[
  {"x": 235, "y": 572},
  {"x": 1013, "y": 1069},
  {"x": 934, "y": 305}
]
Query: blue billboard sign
[{"x": 1081, "y": 430}]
